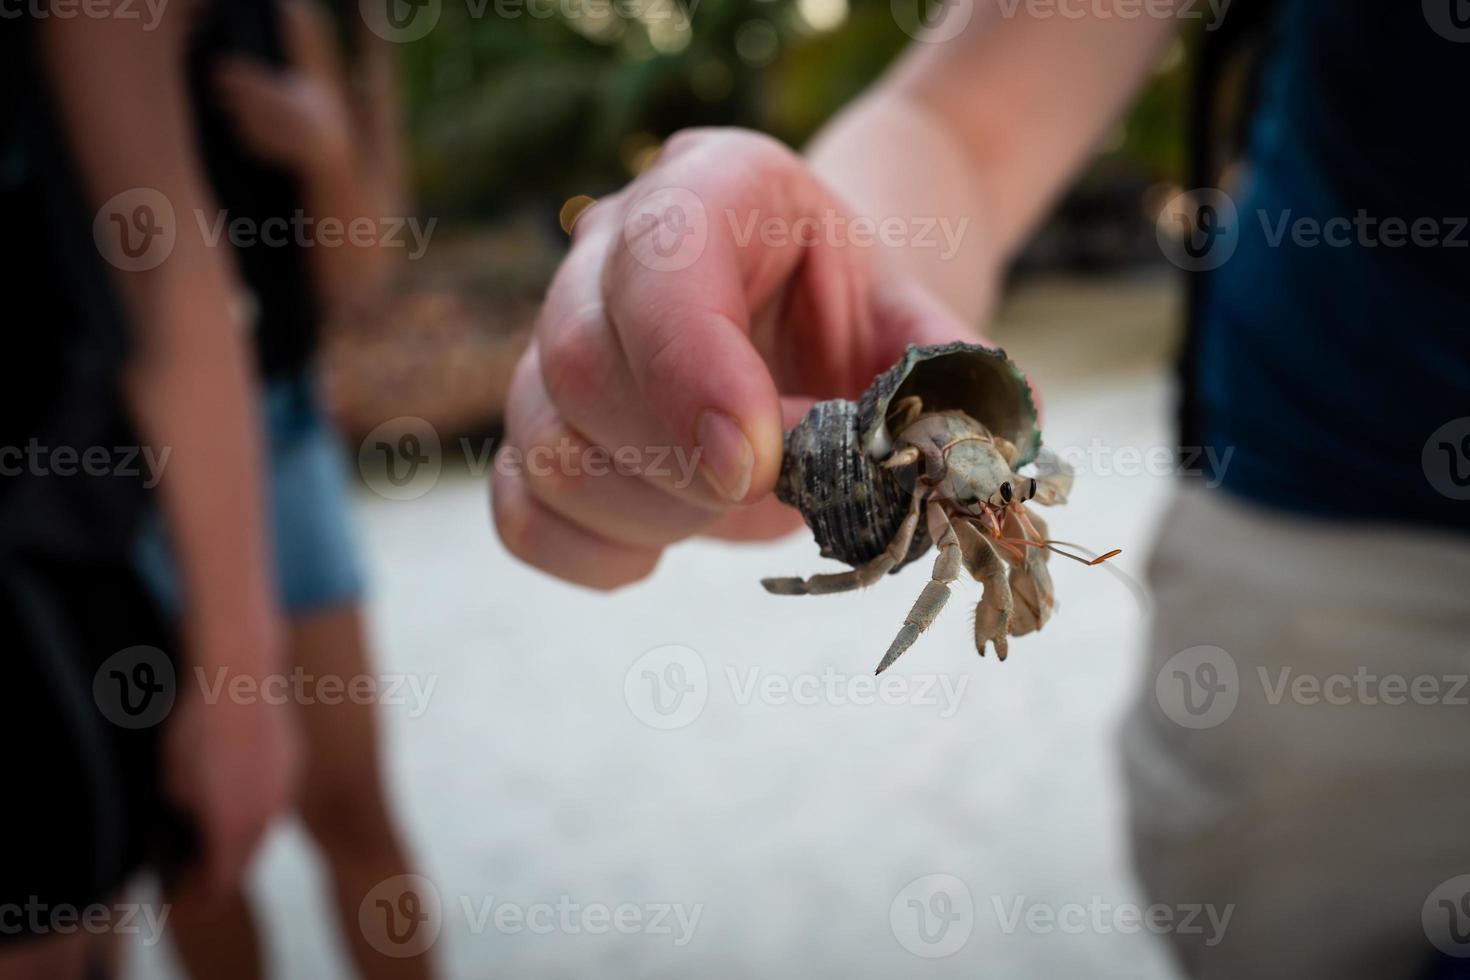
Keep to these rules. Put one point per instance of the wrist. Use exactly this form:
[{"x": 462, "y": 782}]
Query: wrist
[
  {"x": 246, "y": 639},
  {"x": 895, "y": 162}
]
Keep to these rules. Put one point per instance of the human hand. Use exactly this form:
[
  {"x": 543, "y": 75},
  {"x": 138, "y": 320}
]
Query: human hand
[
  {"x": 699, "y": 310},
  {"x": 297, "y": 116},
  {"x": 230, "y": 764}
]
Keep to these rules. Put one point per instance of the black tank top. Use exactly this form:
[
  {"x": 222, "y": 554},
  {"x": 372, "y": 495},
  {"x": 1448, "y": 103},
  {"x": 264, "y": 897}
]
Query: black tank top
[
  {"x": 284, "y": 307},
  {"x": 66, "y": 339}
]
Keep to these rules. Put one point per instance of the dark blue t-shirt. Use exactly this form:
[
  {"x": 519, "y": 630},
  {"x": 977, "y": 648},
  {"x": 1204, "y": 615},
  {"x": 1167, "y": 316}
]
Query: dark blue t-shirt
[{"x": 1335, "y": 340}]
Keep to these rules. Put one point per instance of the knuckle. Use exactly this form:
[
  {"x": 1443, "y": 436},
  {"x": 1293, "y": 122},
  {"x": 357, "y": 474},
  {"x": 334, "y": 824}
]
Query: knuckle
[
  {"x": 548, "y": 475},
  {"x": 619, "y": 575},
  {"x": 569, "y": 360},
  {"x": 761, "y": 156},
  {"x": 513, "y": 522},
  {"x": 667, "y": 363}
]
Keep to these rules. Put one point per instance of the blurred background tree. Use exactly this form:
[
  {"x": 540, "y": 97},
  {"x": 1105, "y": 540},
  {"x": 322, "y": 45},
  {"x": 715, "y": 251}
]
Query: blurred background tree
[
  {"x": 533, "y": 101},
  {"x": 511, "y": 107}
]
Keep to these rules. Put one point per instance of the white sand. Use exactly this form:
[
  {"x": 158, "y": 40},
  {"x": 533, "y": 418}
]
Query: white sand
[{"x": 793, "y": 826}]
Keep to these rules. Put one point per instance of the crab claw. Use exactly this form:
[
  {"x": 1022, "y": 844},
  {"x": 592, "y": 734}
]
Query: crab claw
[
  {"x": 993, "y": 615},
  {"x": 1031, "y": 586}
]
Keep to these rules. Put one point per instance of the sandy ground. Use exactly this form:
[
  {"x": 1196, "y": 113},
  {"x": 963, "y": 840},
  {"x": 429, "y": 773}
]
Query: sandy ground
[{"x": 790, "y": 820}]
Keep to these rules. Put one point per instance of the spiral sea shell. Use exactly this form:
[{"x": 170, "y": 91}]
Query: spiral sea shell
[{"x": 831, "y": 472}]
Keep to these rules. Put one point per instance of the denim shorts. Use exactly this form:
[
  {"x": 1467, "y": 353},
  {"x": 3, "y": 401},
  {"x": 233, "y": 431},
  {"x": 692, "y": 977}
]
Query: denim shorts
[{"x": 309, "y": 499}]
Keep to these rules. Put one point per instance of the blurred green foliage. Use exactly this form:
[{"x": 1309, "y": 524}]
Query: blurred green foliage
[{"x": 536, "y": 100}]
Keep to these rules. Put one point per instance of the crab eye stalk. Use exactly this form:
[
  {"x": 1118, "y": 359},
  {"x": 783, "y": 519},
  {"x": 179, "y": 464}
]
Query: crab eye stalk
[
  {"x": 1032, "y": 492},
  {"x": 1005, "y": 491}
]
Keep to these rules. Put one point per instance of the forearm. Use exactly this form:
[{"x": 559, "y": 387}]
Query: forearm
[
  {"x": 189, "y": 388},
  {"x": 986, "y": 129},
  {"x": 351, "y": 268},
  {"x": 888, "y": 157},
  {"x": 188, "y": 381}
]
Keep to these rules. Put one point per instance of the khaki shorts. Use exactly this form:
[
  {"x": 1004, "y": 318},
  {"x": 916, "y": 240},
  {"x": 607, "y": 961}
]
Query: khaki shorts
[{"x": 1300, "y": 749}]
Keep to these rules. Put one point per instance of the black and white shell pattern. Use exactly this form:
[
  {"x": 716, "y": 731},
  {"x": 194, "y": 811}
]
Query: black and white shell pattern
[{"x": 830, "y": 470}]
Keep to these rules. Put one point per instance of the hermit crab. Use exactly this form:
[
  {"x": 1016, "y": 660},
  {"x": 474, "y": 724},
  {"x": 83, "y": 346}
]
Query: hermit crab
[{"x": 930, "y": 455}]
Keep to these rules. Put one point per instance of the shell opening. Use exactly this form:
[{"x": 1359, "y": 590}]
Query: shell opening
[{"x": 989, "y": 389}]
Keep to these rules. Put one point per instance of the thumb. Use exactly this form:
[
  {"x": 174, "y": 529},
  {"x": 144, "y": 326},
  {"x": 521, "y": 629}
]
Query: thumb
[{"x": 906, "y": 313}]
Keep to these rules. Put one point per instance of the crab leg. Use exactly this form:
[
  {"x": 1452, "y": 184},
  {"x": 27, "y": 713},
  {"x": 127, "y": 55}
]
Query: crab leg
[
  {"x": 860, "y": 577},
  {"x": 1053, "y": 479},
  {"x": 993, "y": 614},
  {"x": 936, "y": 592},
  {"x": 1030, "y": 580}
]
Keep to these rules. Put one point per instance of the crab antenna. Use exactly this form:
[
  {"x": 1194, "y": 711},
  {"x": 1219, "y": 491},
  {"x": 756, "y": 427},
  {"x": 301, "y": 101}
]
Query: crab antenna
[
  {"x": 1093, "y": 560},
  {"x": 1051, "y": 546}
]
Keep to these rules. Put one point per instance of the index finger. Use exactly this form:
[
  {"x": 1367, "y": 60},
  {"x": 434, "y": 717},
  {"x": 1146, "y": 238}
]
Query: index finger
[{"x": 679, "y": 291}]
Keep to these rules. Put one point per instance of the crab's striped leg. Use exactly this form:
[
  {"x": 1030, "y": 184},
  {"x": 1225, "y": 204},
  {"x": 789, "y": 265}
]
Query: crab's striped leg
[
  {"x": 863, "y": 575},
  {"x": 936, "y": 592}
]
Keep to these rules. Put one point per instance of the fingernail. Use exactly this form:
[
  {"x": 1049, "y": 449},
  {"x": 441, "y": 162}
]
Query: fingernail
[{"x": 726, "y": 458}]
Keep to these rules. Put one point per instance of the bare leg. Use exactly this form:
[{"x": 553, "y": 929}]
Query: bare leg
[
  {"x": 993, "y": 614},
  {"x": 343, "y": 803},
  {"x": 936, "y": 592},
  {"x": 342, "y": 806},
  {"x": 862, "y": 576},
  {"x": 218, "y": 938},
  {"x": 54, "y": 957}
]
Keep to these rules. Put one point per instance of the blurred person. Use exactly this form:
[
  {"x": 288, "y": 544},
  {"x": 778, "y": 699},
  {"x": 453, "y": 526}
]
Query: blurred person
[
  {"x": 1323, "y": 369},
  {"x": 281, "y": 136},
  {"x": 128, "y": 388}
]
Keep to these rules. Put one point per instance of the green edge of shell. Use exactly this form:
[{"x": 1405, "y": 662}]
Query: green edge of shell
[{"x": 1026, "y": 434}]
